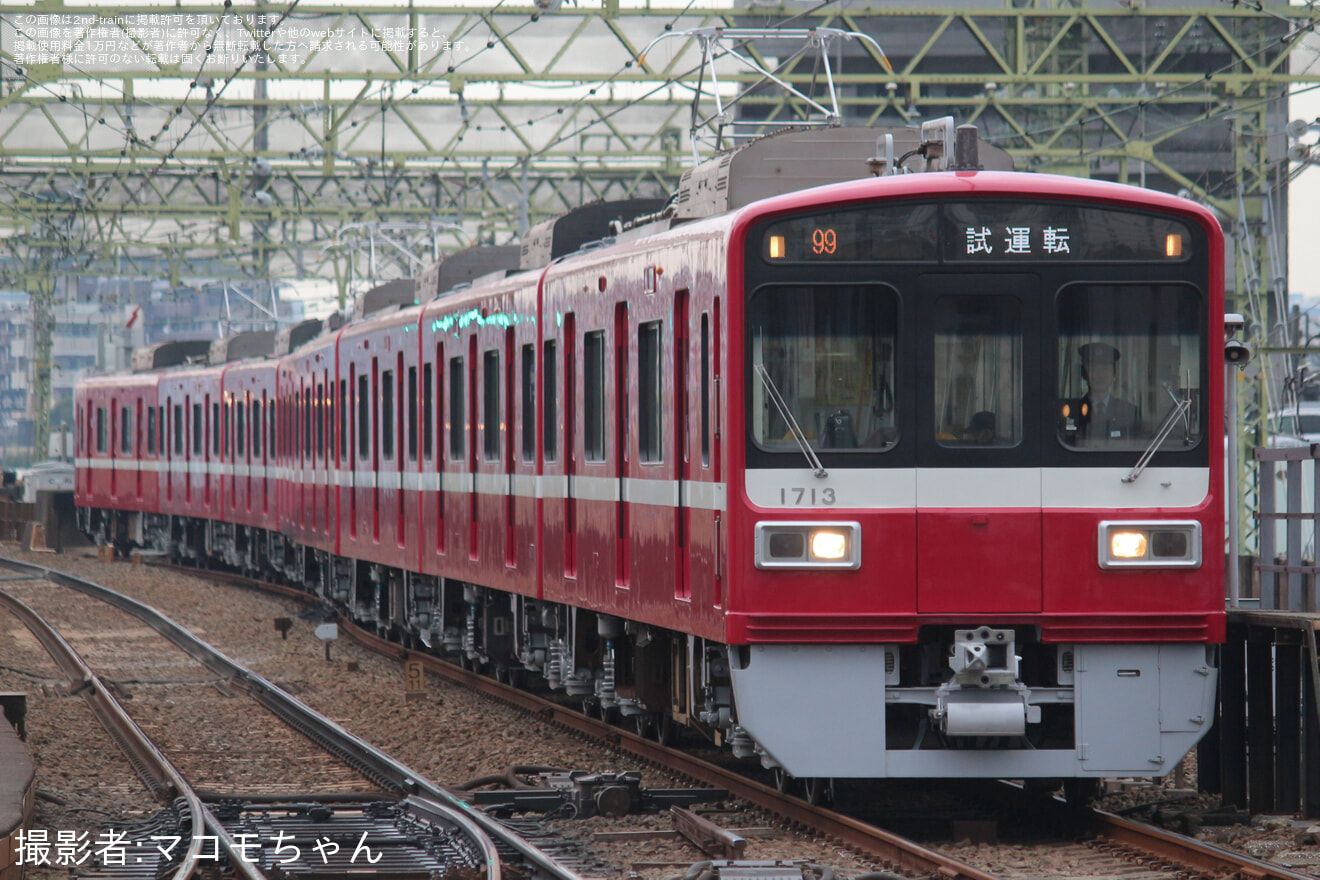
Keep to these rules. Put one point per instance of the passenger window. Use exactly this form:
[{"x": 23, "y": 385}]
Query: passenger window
[
  {"x": 343, "y": 419},
  {"x": 322, "y": 415},
  {"x": 178, "y": 429},
  {"x": 100, "y": 429},
  {"x": 649, "y": 432},
  {"x": 125, "y": 431},
  {"x": 978, "y": 371},
  {"x": 256, "y": 429},
  {"x": 428, "y": 412},
  {"x": 387, "y": 414},
  {"x": 593, "y": 386},
  {"x": 491, "y": 405},
  {"x": 364, "y": 416},
  {"x": 198, "y": 430},
  {"x": 549, "y": 403},
  {"x": 307, "y": 422},
  {"x": 457, "y": 420},
  {"x": 412, "y": 413},
  {"x": 240, "y": 429},
  {"x": 529, "y": 402}
]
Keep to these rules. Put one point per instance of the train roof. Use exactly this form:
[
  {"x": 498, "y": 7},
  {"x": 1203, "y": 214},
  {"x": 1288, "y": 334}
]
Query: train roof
[
  {"x": 974, "y": 184},
  {"x": 173, "y": 353},
  {"x": 241, "y": 346}
]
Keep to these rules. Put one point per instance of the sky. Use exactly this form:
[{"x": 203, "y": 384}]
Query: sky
[{"x": 1304, "y": 192}]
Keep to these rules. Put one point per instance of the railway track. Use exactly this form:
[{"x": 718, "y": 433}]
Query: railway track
[
  {"x": 1113, "y": 846},
  {"x": 425, "y": 811}
]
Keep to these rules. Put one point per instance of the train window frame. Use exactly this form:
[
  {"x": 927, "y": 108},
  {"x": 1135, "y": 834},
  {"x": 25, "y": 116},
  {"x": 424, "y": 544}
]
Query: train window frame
[
  {"x": 490, "y": 404},
  {"x": 650, "y": 391},
  {"x": 412, "y": 412},
  {"x": 178, "y": 429},
  {"x": 320, "y": 416},
  {"x": 306, "y": 423},
  {"x": 883, "y": 437},
  {"x": 151, "y": 430},
  {"x": 387, "y": 415},
  {"x": 457, "y": 408},
  {"x": 198, "y": 428},
  {"x": 363, "y": 416},
  {"x": 257, "y": 427},
  {"x": 215, "y": 428},
  {"x": 528, "y": 401},
  {"x": 342, "y": 421},
  {"x": 549, "y": 403},
  {"x": 240, "y": 429},
  {"x": 981, "y": 425},
  {"x": 126, "y": 430},
  {"x": 100, "y": 430},
  {"x": 1144, "y": 290},
  {"x": 593, "y": 396},
  {"x": 428, "y": 412}
]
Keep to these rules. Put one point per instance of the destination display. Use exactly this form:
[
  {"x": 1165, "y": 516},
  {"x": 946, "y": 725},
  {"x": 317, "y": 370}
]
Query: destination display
[{"x": 979, "y": 232}]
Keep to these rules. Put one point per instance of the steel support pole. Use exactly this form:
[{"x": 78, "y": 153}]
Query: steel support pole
[{"x": 1231, "y": 490}]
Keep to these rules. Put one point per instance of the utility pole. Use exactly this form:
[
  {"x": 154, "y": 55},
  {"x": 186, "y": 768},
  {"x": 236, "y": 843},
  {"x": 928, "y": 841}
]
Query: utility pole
[{"x": 41, "y": 293}]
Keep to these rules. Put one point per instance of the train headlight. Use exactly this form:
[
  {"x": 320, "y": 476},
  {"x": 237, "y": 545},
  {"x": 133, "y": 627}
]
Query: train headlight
[
  {"x": 1157, "y": 544},
  {"x": 1127, "y": 545},
  {"x": 808, "y": 545},
  {"x": 829, "y": 545}
]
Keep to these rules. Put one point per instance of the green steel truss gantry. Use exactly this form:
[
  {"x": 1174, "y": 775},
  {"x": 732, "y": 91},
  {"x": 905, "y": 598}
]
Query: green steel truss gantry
[{"x": 197, "y": 140}]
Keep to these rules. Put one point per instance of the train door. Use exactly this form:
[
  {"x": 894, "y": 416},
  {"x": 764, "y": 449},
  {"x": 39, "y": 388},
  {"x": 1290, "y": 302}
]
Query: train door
[
  {"x": 622, "y": 457},
  {"x": 433, "y": 408},
  {"x": 506, "y": 453},
  {"x": 681, "y": 453},
  {"x": 978, "y": 457},
  {"x": 399, "y": 431},
  {"x": 261, "y": 449}
]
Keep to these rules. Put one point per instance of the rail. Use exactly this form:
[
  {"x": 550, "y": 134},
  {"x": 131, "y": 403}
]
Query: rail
[
  {"x": 361, "y": 754},
  {"x": 156, "y": 771},
  {"x": 902, "y": 855}
]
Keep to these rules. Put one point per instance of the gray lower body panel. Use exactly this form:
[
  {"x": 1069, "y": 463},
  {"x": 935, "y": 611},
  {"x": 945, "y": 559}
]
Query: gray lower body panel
[{"x": 820, "y": 710}]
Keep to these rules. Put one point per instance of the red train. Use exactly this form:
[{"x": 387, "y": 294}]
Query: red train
[{"x": 915, "y": 475}]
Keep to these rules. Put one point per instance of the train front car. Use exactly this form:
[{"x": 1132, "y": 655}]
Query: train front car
[{"x": 979, "y": 531}]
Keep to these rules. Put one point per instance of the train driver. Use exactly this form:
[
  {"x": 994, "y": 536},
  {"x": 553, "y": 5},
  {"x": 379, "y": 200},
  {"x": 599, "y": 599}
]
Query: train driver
[{"x": 1102, "y": 417}]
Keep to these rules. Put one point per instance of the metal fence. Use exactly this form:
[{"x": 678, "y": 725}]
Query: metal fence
[{"x": 1289, "y": 510}]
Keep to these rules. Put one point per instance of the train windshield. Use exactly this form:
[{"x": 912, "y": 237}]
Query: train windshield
[
  {"x": 1129, "y": 366},
  {"x": 828, "y": 352}
]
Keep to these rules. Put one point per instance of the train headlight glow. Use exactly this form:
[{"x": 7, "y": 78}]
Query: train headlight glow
[
  {"x": 829, "y": 545},
  {"x": 808, "y": 545},
  {"x": 1127, "y": 545},
  {"x": 1152, "y": 544}
]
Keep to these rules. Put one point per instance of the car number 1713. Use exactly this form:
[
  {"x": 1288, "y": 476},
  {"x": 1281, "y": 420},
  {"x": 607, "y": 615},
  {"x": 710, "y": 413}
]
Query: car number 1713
[{"x": 799, "y": 496}]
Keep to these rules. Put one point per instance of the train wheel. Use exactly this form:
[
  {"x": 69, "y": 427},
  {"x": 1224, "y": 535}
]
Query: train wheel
[
  {"x": 643, "y": 725},
  {"x": 784, "y": 782},
  {"x": 1080, "y": 792},
  {"x": 590, "y": 707},
  {"x": 818, "y": 790},
  {"x": 665, "y": 730}
]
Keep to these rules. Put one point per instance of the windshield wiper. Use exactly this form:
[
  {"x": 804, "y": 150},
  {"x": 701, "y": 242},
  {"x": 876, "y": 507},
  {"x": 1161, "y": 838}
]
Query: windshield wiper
[
  {"x": 1179, "y": 412},
  {"x": 778, "y": 400}
]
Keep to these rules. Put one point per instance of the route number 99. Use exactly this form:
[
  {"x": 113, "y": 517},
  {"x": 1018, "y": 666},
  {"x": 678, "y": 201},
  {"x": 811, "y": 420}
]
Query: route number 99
[{"x": 824, "y": 241}]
